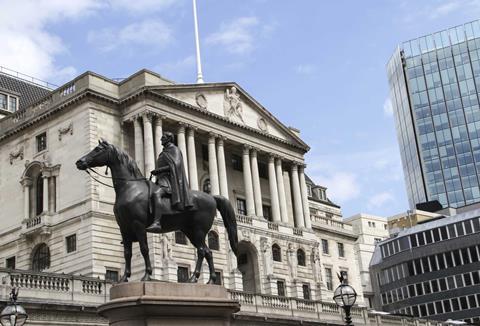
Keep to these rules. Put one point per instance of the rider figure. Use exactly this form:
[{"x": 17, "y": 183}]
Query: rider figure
[{"x": 170, "y": 173}]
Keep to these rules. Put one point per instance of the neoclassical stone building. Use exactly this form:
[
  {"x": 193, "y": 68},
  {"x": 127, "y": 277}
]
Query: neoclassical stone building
[{"x": 56, "y": 219}]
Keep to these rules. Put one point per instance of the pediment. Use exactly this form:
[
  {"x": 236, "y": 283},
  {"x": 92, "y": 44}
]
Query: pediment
[{"x": 230, "y": 101}]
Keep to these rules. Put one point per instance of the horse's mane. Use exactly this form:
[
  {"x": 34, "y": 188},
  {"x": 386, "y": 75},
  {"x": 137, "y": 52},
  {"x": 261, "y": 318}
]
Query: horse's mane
[{"x": 125, "y": 159}]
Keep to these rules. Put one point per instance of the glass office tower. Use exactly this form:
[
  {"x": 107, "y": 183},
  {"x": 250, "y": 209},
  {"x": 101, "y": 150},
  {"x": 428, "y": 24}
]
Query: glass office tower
[{"x": 435, "y": 88}]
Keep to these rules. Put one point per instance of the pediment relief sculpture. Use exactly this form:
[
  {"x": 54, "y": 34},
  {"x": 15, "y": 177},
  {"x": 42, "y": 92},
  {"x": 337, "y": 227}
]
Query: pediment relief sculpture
[
  {"x": 16, "y": 154},
  {"x": 65, "y": 130},
  {"x": 201, "y": 101},
  {"x": 262, "y": 125},
  {"x": 232, "y": 105}
]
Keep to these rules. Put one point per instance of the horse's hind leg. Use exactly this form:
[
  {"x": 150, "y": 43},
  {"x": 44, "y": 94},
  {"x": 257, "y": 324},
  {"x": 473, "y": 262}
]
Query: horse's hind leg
[
  {"x": 198, "y": 240},
  {"x": 127, "y": 252},
  {"x": 142, "y": 241},
  {"x": 211, "y": 267}
]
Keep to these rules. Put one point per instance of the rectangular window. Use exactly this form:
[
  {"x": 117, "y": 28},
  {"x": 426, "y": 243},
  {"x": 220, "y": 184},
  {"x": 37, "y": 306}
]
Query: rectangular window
[
  {"x": 71, "y": 242},
  {"x": 12, "y": 104},
  {"x": 451, "y": 231},
  {"x": 421, "y": 239},
  {"x": 444, "y": 233},
  {"x": 111, "y": 275},
  {"x": 180, "y": 238},
  {"x": 267, "y": 213},
  {"x": 447, "y": 305},
  {"x": 413, "y": 240},
  {"x": 182, "y": 274},
  {"x": 341, "y": 250},
  {"x": 41, "y": 142},
  {"x": 328, "y": 279},
  {"x": 460, "y": 230},
  {"x": 10, "y": 263},
  {"x": 205, "y": 153},
  {"x": 428, "y": 237},
  {"x": 281, "y": 288},
  {"x": 441, "y": 261},
  {"x": 472, "y": 302},
  {"x": 463, "y": 303},
  {"x": 237, "y": 163},
  {"x": 435, "y": 286},
  {"x": 325, "y": 246},
  {"x": 436, "y": 235},
  {"x": 263, "y": 170},
  {"x": 306, "y": 292},
  {"x": 468, "y": 227},
  {"x": 241, "y": 206},
  {"x": 218, "y": 278},
  {"x": 456, "y": 258},
  {"x": 473, "y": 253},
  {"x": 467, "y": 279},
  {"x": 3, "y": 102},
  {"x": 443, "y": 284},
  {"x": 475, "y": 277}
]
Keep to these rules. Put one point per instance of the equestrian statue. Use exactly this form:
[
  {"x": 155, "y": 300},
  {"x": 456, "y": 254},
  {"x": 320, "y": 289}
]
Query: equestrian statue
[{"x": 163, "y": 206}]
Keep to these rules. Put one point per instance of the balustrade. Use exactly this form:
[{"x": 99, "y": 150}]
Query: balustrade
[
  {"x": 34, "y": 221},
  {"x": 297, "y": 231},
  {"x": 273, "y": 226},
  {"x": 244, "y": 219}
]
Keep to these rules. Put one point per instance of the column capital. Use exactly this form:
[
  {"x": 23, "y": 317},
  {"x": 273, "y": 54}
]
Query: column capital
[
  {"x": 254, "y": 152},
  {"x": 271, "y": 158},
  {"x": 181, "y": 127},
  {"x": 26, "y": 182},
  {"x": 147, "y": 116},
  {"x": 294, "y": 167},
  {"x": 192, "y": 128},
  {"x": 246, "y": 149}
]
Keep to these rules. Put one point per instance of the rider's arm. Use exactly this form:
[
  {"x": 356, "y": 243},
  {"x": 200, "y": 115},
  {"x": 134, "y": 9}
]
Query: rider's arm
[{"x": 160, "y": 170}]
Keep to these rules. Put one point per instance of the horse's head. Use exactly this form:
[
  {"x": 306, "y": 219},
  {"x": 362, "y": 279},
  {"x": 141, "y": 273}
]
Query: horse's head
[{"x": 99, "y": 156}]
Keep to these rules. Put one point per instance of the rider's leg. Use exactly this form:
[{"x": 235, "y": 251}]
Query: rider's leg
[{"x": 156, "y": 227}]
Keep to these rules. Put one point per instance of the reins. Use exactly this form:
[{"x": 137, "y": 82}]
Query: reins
[{"x": 111, "y": 178}]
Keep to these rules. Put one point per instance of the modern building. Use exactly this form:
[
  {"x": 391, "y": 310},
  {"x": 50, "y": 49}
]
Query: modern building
[
  {"x": 434, "y": 89},
  {"x": 408, "y": 219},
  {"x": 431, "y": 270},
  {"x": 370, "y": 230}
]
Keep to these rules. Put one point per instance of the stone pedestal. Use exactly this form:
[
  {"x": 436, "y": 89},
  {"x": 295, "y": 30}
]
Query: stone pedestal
[{"x": 173, "y": 304}]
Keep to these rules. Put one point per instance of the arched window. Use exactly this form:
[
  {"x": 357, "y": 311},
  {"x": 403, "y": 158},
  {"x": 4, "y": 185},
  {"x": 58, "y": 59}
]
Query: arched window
[
  {"x": 276, "y": 252},
  {"x": 213, "y": 242},
  {"x": 39, "y": 195},
  {"x": 301, "y": 257},
  {"x": 207, "y": 186},
  {"x": 41, "y": 258}
]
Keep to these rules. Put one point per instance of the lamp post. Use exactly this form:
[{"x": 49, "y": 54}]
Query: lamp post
[
  {"x": 13, "y": 314},
  {"x": 345, "y": 297}
]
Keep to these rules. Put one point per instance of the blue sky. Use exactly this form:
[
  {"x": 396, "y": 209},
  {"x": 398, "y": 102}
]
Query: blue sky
[{"x": 317, "y": 65}]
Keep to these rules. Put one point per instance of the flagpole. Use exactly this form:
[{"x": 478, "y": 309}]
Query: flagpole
[{"x": 197, "y": 45}]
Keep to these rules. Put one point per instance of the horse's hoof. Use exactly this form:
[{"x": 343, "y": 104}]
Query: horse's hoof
[
  {"x": 146, "y": 278},
  {"x": 123, "y": 280},
  {"x": 192, "y": 279},
  {"x": 211, "y": 281}
]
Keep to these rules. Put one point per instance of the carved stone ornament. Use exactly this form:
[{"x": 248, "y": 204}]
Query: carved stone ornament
[
  {"x": 262, "y": 124},
  {"x": 232, "y": 105},
  {"x": 201, "y": 101},
  {"x": 16, "y": 154},
  {"x": 65, "y": 130}
]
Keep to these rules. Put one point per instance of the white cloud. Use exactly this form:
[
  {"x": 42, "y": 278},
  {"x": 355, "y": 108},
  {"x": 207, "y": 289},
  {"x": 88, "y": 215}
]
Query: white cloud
[
  {"x": 342, "y": 186},
  {"x": 388, "y": 107},
  {"x": 175, "y": 70},
  {"x": 305, "y": 69},
  {"x": 154, "y": 33},
  {"x": 27, "y": 46},
  {"x": 380, "y": 199},
  {"x": 138, "y": 6},
  {"x": 238, "y": 36},
  {"x": 440, "y": 8}
]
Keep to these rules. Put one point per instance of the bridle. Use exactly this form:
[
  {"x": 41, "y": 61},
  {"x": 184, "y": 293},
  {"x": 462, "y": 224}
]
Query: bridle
[{"x": 88, "y": 169}]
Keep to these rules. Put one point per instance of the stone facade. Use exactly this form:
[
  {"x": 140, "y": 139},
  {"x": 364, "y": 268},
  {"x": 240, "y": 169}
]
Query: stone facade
[{"x": 370, "y": 230}]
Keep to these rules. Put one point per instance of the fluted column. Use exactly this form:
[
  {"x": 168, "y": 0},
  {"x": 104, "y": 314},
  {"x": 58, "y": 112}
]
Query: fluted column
[
  {"x": 148, "y": 143},
  {"x": 272, "y": 182},
  {"x": 192, "y": 159},
  {"x": 137, "y": 130},
  {"x": 183, "y": 146},
  {"x": 282, "y": 197},
  {"x": 303, "y": 188},
  {"x": 257, "y": 191},
  {"x": 222, "y": 168},
  {"x": 26, "y": 183},
  {"x": 212, "y": 165},
  {"x": 158, "y": 126},
  {"x": 45, "y": 194},
  {"x": 297, "y": 197},
  {"x": 247, "y": 180}
]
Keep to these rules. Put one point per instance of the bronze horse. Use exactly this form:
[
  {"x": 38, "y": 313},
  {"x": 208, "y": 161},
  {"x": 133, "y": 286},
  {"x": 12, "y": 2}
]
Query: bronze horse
[{"x": 131, "y": 210}]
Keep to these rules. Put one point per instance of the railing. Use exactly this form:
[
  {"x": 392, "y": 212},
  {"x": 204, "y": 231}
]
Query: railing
[
  {"x": 297, "y": 231},
  {"x": 333, "y": 223},
  {"x": 273, "y": 226},
  {"x": 244, "y": 219},
  {"x": 34, "y": 221},
  {"x": 27, "y": 78},
  {"x": 309, "y": 309},
  {"x": 40, "y": 281}
]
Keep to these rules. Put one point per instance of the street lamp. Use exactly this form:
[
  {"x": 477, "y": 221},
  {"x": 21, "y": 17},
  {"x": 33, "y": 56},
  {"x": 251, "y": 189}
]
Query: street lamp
[
  {"x": 345, "y": 296},
  {"x": 13, "y": 314}
]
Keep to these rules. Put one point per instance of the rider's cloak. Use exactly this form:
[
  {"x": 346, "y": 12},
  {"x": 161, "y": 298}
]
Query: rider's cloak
[{"x": 175, "y": 179}]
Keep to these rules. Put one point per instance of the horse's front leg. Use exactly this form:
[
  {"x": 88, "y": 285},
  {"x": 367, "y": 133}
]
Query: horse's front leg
[
  {"x": 143, "y": 242},
  {"x": 127, "y": 252}
]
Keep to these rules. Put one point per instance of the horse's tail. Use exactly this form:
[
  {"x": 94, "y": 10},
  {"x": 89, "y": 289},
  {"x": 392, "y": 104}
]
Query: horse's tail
[{"x": 228, "y": 216}]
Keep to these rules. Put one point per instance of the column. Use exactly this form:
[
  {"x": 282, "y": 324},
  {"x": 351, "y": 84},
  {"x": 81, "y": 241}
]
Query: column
[
  {"x": 26, "y": 183},
  {"x": 148, "y": 149},
  {"x": 222, "y": 168},
  {"x": 212, "y": 165},
  {"x": 183, "y": 146},
  {"x": 272, "y": 181},
  {"x": 137, "y": 129},
  {"x": 45, "y": 194},
  {"x": 192, "y": 158},
  {"x": 304, "y": 192},
  {"x": 158, "y": 126},
  {"x": 247, "y": 180},
  {"x": 257, "y": 191},
  {"x": 281, "y": 191},
  {"x": 297, "y": 197}
]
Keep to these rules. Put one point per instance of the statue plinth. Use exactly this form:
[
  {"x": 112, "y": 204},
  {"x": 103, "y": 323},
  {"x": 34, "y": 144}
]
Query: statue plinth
[{"x": 163, "y": 303}]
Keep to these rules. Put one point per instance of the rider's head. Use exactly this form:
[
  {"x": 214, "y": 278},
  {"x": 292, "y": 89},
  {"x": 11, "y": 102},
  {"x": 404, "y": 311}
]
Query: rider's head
[{"x": 167, "y": 138}]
